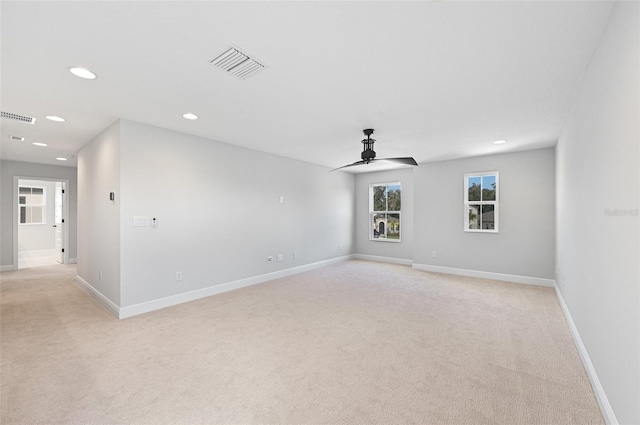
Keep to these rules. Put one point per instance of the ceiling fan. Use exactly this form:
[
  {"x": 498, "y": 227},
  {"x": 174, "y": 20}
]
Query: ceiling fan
[{"x": 369, "y": 155}]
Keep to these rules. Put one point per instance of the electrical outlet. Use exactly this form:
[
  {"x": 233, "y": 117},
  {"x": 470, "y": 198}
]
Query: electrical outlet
[
  {"x": 99, "y": 274},
  {"x": 178, "y": 276},
  {"x": 270, "y": 259},
  {"x": 434, "y": 254},
  {"x": 295, "y": 254},
  {"x": 280, "y": 257},
  {"x": 339, "y": 247}
]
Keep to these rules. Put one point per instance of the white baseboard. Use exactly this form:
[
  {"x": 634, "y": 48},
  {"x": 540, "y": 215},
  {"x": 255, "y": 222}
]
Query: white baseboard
[
  {"x": 157, "y": 304},
  {"x": 391, "y": 260},
  {"x": 71, "y": 261},
  {"x": 7, "y": 268},
  {"x": 603, "y": 401},
  {"x": 550, "y": 283},
  {"x": 98, "y": 296}
]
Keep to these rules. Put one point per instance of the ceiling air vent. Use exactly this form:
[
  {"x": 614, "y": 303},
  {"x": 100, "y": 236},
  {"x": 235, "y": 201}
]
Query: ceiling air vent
[
  {"x": 18, "y": 117},
  {"x": 237, "y": 63},
  {"x": 16, "y": 138}
]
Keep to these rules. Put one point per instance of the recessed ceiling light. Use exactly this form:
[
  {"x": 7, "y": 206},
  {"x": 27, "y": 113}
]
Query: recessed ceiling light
[
  {"x": 499, "y": 142},
  {"x": 189, "y": 116},
  {"x": 39, "y": 144},
  {"x": 83, "y": 73},
  {"x": 54, "y": 118},
  {"x": 60, "y": 158}
]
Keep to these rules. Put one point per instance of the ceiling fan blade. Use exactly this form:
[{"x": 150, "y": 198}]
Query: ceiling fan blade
[
  {"x": 406, "y": 160},
  {"x": 349, "y": 165}
]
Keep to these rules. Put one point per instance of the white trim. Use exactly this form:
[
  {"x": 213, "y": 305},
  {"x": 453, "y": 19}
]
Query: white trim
[
  {"x": 495, "y": 203},
  {"x": 379, "y": 259},
  {"x": 98, "y": 296},
  {"x": 16, "y": 218},
  {"x": 603, "y": 401},
  {"x": 157, "y": 304},
  {"x": 7, "y": 268},
  {"x": 527, "y": 280},
  {"x": 71, "y": 261},
  {"x": 386, "y": 211}
]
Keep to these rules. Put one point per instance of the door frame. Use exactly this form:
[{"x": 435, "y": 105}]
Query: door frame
[{"x": 16, "y": 218}]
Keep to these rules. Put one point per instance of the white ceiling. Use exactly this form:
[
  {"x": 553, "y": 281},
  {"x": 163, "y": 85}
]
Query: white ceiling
[{"x": 436, "y": 80}]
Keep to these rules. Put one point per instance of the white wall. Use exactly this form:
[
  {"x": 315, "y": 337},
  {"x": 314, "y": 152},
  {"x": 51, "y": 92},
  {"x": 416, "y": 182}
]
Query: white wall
[
  {"x": 218, "y": 210},
  {"x": 98, "y": 217},
  {"x": 39, "y": 236},
  {"x": 397, "y": 250},
  {"x": 525, "y": 244},
  {"x": 598, "y": 254},
  {"x": 10, "y": 169}
]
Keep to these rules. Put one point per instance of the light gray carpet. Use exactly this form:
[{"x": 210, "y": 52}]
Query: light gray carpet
[{"x": 354, "y": 343}]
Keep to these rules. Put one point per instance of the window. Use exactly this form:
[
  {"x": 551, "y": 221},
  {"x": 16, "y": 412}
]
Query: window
[
  {"x": 31, "y": 205},
  {"x": 384, "y": 211},
  {"x": 481, "y": 202}
]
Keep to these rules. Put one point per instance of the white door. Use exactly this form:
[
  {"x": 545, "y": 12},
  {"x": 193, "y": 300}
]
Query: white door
[{"x": 59, "y": 223}]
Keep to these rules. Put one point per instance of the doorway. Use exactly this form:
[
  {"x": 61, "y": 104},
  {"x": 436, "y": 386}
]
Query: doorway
[{"x": 40, "y": 234}]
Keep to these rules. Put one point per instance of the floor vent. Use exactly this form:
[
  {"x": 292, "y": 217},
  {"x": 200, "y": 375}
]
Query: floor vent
[
  {"x": 237, "y": 63},
  {"x": 18, "y": 117}
]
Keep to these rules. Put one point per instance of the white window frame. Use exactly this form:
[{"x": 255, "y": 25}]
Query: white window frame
[
  {"x": 496, "y": 215},
  {"x": 387, "y": 211},
  {"x": 42, "y": 206}
]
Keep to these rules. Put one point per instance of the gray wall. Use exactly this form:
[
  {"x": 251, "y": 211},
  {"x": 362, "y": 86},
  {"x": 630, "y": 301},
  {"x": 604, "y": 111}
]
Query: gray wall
[
  {"x": 99, "y": 217},
  {"x": 218, "y": 210},
  {"x": 525, "y": 244},
  {"x": 598, "y": 253},
  {"x": 9, "y": 169},
  {"x": 399, "y": 250}
]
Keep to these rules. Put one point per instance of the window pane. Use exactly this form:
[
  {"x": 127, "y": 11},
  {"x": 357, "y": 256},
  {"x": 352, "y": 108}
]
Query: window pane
[
  {"x": 393, "y": 226},
  {"x": 25, "y": 191},
  {"x": 474, "y": 188},
  {"x": 489, "y": 188},
  {"x": 379, "y": 223},
  {"x": 379, "y": 198},
  {"x": 23, "y": 215},
  {"x": 22, "y": 200},
  {"x": 487, "y": 219},
  {"x": 474, "y": 216},
  {"x": 394, "y": 194},
  {"x": 37, "y": 196},
  {"x": 36, "y": 214}
]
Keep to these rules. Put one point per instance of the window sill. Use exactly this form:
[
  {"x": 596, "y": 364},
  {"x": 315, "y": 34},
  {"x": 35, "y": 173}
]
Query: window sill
[
  {"x": 480, "y": 231},
  {"x": 385, "y": 240}
]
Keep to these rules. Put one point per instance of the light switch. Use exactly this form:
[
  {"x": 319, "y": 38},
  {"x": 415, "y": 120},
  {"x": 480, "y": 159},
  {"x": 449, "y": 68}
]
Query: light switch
[{"x": 140, "y": 221}]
